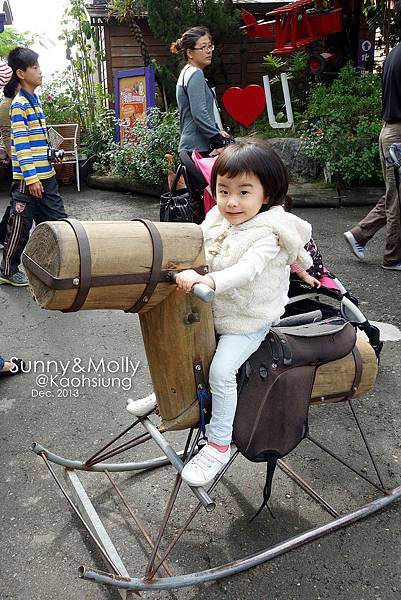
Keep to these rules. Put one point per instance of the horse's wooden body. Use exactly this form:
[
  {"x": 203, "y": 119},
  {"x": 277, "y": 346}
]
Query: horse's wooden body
[
  {"x": 177, "y": 329},
  {"x": 111, "y": 265}
]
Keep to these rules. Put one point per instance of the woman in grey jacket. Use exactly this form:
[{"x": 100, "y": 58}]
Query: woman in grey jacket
[{"x": 199, "y": 130}]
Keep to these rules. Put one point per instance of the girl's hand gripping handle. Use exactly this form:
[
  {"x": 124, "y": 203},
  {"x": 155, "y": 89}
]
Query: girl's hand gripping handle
[
  {"x": 203, "y": 292},
  {"x": 200, "y": 290}
]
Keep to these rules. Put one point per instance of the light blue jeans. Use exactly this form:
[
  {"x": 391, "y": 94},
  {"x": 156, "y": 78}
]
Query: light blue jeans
[{"x": 232, "y": 351}]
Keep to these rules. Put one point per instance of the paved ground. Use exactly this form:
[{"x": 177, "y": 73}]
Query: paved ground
[{"x": 42, "y": 543}]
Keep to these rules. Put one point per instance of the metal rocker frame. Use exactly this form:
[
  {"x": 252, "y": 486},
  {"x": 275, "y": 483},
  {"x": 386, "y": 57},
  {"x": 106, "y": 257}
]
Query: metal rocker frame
[{"x": 119, "y": 577}]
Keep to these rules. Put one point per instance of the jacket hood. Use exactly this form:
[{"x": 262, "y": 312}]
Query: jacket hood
[{"x": 292, "y": 232}]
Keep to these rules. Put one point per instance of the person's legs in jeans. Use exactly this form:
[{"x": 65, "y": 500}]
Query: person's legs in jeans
[
  {"x": 51, "y": 206},
  {"x": 232, "y": 351}
]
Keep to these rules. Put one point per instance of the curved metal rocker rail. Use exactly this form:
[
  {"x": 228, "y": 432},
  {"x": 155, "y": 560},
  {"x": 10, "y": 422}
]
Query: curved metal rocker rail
[
  {"x": 120, "y": 579},
  {"x": 238, "y": 566}
]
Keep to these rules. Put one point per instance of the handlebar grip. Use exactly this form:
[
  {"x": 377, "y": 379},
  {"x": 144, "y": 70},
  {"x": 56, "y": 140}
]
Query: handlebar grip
[
  {"x": 200, "y": 290},
  {"x": 203, "y": 292}
]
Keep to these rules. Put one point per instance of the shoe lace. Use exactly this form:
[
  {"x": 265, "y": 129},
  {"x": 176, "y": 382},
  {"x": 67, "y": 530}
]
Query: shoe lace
[{"x": 203, "y": 460}]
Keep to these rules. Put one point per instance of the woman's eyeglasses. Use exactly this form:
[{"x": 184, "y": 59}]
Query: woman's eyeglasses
[{"x": 208, "y": 48}]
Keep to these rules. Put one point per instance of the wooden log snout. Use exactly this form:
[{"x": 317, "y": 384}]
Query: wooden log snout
[
  {"x": 114, "y": 261},
  {"x": 115, "y": 258}
]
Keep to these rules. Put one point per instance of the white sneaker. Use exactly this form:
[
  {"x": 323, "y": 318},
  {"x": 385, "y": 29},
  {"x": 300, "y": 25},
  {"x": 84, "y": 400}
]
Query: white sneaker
[
  {"x": 143, "y": 406},
  {"x": 204, "y": 467},
  {"x": 396, "y": 267},
  {"x": 357, "y": 248}
]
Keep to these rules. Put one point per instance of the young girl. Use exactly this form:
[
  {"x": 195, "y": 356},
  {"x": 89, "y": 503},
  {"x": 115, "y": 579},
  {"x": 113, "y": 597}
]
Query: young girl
[{"x": 250, "y": 241}]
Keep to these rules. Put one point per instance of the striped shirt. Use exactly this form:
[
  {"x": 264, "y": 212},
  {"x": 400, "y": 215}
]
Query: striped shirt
[{"x": 29, "y": 140}]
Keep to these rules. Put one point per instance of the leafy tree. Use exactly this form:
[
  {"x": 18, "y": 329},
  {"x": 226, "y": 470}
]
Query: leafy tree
[
  {"x": 83, "y": 52},
  {"x": 380, "y": 17},
  {"x": 168, "y": 19},
  {"x": 344, "y": 125},
  {"x": 10, "y": 38},
  {"x": 59, "y": 99}
]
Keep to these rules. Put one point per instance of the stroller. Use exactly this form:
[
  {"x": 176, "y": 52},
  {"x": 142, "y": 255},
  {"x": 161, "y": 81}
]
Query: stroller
[{"x": 307, "y": 305}]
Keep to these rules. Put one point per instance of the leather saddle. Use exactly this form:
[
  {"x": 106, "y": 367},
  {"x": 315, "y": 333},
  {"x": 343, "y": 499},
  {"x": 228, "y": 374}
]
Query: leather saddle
[{"x": 275, "y": 385}]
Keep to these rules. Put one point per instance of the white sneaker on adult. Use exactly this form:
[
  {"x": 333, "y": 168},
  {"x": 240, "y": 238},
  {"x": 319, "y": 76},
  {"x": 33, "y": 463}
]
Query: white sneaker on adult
[
  {"x": 357, "y": 248},
  {"x": 143, "y": 406},
  {"x": 204, "y": 467},
  {"x": 396, "y": 267}
]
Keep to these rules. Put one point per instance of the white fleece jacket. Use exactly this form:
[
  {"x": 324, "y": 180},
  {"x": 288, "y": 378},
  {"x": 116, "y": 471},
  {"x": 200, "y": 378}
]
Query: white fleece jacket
[{"x": 251, "y": 268}]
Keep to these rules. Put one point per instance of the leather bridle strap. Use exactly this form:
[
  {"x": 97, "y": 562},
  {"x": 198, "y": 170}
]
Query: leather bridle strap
[
  {"x": 156, "y": 268},
  {"x": 85, "y": 265},
  {"x": 358, "y": 373}
]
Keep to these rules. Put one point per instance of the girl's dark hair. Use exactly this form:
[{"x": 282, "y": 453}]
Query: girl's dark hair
[
  {"x": 10, "y": 89},
  {"x": 189, "y": 39},
  {"x": 258, "y": 157},
  {"x": 288, "y": 203},
  {"x": 22, "y": 58}
]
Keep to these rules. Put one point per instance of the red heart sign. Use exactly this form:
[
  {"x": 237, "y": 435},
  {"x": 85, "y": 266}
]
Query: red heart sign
[{"x": 245, "y": 105}]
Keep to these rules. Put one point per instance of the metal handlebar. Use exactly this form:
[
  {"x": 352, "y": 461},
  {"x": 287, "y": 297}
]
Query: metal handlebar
[
  {"x": 395, "y": 156},
  {"x": 200, "y": 290}
]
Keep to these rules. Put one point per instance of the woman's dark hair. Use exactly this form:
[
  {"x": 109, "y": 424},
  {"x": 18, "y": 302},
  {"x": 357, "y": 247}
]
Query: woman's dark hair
[
  {"x": 258, "y": 157},
  {"x": 11, "y": 88},
  {"x": 22, "y": 58},
  {"x": 189, "y": 39}
]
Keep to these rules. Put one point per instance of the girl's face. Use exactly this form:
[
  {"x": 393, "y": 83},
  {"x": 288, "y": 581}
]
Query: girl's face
[
  {"x": 239, "y": 198},
  {"x": 201, "y": 55}
]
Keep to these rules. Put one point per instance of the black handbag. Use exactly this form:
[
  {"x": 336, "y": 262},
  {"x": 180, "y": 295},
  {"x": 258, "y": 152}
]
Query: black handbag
[{"x": 182, "y": 206}]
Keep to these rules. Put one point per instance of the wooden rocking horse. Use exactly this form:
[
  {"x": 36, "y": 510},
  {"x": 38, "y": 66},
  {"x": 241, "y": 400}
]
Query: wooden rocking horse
[{"x": 130, "y": 266}]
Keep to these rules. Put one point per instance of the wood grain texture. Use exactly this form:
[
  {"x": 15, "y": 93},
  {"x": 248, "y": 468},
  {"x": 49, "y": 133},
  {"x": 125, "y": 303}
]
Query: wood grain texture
[
  {"x": 172, "y": 344},
  {"x": 117, "y": 247},
  {"x": 338, "y": 376}
]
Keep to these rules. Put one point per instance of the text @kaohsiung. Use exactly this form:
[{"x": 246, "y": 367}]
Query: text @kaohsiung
[{"x": 64, "y": 378}]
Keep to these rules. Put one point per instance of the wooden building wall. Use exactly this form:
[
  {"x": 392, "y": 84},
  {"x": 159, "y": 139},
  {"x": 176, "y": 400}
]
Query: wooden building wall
[{"x": 242, "y": 58}]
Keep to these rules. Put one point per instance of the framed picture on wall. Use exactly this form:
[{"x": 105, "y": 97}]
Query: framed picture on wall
[{"x": 134, "y": 91}]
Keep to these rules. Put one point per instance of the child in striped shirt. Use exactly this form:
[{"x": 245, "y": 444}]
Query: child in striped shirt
[{"x": 34, "y": 192}]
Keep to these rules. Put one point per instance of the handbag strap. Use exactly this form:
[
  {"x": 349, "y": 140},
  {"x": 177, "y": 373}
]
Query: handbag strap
[{"x": 182, "y": 170}]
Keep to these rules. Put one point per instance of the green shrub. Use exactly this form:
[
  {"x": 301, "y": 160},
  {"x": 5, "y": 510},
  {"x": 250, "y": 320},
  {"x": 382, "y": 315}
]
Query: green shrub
[
  {"x": 99, "y": 139},
  {"x": 142, "y": 155},
  {"x": 343, "y": 127},
  {"x": 59, "y": 100}
]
